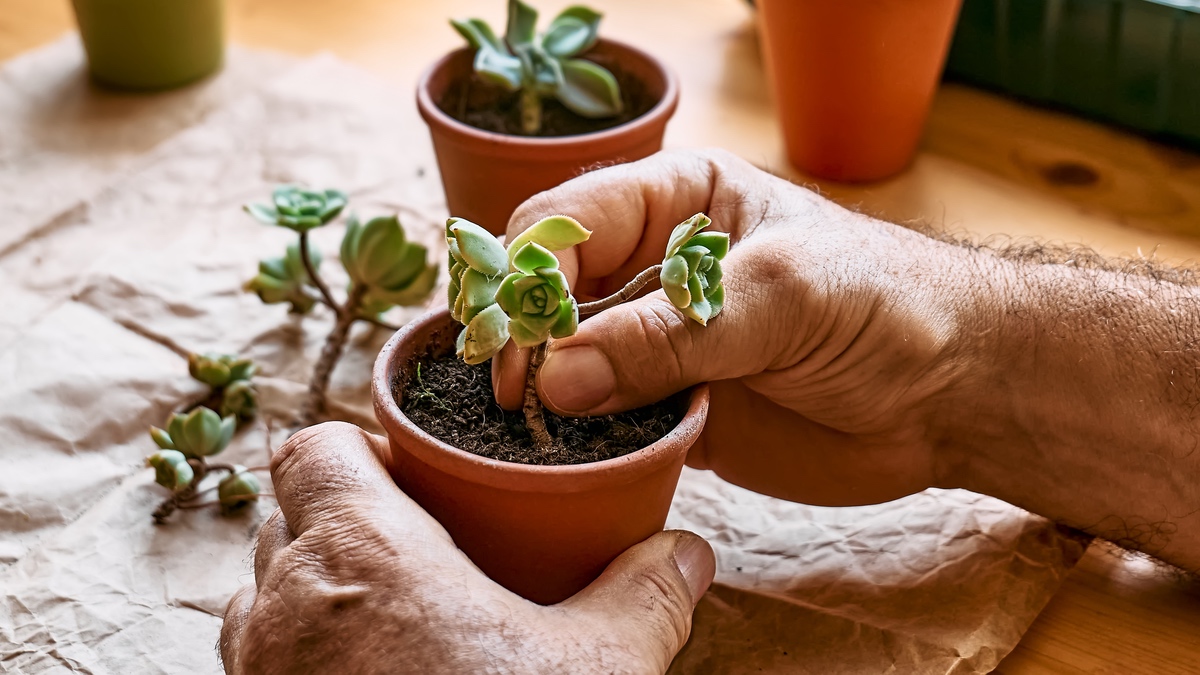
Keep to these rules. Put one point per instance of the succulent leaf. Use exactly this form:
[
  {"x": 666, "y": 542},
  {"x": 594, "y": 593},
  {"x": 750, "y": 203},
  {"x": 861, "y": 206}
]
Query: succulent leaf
[
  {"x": 171, "y": 469},
  {"x": 555, "y": 233},
  {"x": 573, "y": 31},
  {"x": 484, "y": 336},
  {"x": 477, "y": 248},
  {"x": 522, "y": 24},
  {"x": 239, "y": 488},
  {"x": 691, "y": 271},
  {"x": 282, "y": 280},
  {"x": 161, "y": 438},
  {"x": 589, "y": 90},
  {"x": 201, "y": 432}
]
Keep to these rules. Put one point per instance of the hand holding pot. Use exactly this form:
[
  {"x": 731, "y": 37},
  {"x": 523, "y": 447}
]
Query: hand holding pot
[
  {"x": 827, "y": 364},
  {"x": 857, "y": 361},
  {"x": 352, "y": 576}
]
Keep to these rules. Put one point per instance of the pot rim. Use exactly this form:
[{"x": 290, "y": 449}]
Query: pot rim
[
  {"x": 511, "y": 475},
  {"x": 655, "y": 117}
]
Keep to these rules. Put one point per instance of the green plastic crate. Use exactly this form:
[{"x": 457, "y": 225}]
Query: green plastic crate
[{"x": 1132, "y": 62}]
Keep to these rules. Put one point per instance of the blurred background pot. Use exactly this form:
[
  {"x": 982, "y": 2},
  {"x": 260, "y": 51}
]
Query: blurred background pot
[
  {"x": 151, "y": 44},
  {"x": 544, "y": 532},
  {"x": 853, "y": 79},
  {"x": 487, "y": 175}
]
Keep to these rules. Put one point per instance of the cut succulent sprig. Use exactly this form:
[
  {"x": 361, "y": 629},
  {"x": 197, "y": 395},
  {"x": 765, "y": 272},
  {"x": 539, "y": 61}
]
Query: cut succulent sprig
[
  {"x": 543, "y": 65},
  {"x": 385, "y": 270},
  {"x": 518, "y": 293},
  {"x": 191, "y": 437}
]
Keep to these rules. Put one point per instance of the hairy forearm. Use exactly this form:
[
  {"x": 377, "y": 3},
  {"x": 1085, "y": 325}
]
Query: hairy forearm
[{"x": 1085, "y": 386}]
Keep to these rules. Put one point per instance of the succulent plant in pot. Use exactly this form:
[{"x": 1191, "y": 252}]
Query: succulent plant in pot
[
  {"x": 528, "y": 111},
  {"x": 568, "y": 494}
]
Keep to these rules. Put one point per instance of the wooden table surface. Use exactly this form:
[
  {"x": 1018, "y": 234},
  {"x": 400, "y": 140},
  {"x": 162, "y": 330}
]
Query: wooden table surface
[{"x": 988, "y": 166}]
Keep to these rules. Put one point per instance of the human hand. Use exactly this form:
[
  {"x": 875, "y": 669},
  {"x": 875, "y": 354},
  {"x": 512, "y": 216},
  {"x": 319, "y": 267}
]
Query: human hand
[
  {"x": 352, "y": 576},
  {"x": 829, "y": 362}
]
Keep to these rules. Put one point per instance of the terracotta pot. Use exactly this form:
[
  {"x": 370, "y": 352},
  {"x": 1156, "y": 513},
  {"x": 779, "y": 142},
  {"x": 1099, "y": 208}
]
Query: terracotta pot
[
  {"x": 853, "y": 79},
  {"x": 151, "y": 44},
  {"x": 487, "y": 175},
  {"x": 544, "y": 532}
]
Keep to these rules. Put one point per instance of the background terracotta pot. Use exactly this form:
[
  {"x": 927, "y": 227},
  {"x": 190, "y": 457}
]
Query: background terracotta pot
[
  {"x": 487, "y": 175},
  {"x": 544, "y": 532},
  {"x": 151, "y": 44},
  {"x": 853, "y": 79}
]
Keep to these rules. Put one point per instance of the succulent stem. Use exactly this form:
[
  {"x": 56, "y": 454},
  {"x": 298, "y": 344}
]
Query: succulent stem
[
  {"x": 326, "y": 296},
  {"x": 636, "y": 284},
  {"x": 531, "y": 111},
  {"x": 347, "y": 314},
  {"x": 535, "y": 422}
]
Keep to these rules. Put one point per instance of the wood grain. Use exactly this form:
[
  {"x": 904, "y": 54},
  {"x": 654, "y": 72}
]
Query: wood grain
[{"x": 989, "y": 166}]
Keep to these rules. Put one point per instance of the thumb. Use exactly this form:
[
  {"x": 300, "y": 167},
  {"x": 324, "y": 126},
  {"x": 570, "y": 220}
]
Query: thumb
[
  {"x": 642, "y": 351},
  {"x": 645, "y": 598}
]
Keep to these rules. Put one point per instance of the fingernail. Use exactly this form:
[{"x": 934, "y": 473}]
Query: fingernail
[
  {"x": 697, "y": 563},
  {"x": 576, "y": 379}
]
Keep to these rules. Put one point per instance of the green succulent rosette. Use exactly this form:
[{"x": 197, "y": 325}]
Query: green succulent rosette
[
  {"x": 171, "y": 469},
  {"x": 380, "y": 259},
  {"x": 544, "y": 64},
  {"x": 298, "y": 209},
  {"x": 691, "y": 270},
  {"x": 281, "y": 280},
  {"x": 239, "y": 399},
  {"x": 199, "y": 433},
  {"x": 518, "y": 293},
  {"x": 536, "y": 298},
  {"x": 238, "y": 489},
  {"x": 218, "y": 370}
]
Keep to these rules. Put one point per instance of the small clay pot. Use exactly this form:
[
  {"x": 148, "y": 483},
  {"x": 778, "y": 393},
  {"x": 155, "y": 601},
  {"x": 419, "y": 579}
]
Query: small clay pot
[
  {"x": 151, "y": 44},
  {"x": 853, "y": 79},
  {"x": 487, "y": 175},
  {"x": 544, "y": 532}
]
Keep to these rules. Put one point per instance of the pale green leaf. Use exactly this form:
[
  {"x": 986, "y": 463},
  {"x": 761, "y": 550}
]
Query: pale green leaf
[
  {"x": 554, "y": 233},
  {"x": 485, "y": 335},
  {"x": 589, "y": 90},
  {"x": 522, "y": 23}
]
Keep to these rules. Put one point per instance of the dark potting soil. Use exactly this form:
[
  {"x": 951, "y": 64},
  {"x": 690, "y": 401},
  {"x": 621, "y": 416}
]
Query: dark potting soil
[
  {"x": 453, "y": 402},
  {"x": 486, "y": 106}
]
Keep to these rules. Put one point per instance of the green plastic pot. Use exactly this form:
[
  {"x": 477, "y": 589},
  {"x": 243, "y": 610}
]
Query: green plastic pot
[{"x": 151, "y": 44}]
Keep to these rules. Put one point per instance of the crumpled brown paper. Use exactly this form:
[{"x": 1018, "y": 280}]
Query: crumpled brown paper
[{"x": 122, "y": 223}]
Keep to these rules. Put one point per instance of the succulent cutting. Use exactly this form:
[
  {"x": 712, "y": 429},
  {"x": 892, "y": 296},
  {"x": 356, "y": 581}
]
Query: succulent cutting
[
  {"x": 385, "y": 270},
  {"x": 518, "y": 293}
]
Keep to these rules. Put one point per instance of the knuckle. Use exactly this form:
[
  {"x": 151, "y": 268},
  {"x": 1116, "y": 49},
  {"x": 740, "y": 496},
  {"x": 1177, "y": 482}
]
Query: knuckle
[{"x": 309, "y": 441}]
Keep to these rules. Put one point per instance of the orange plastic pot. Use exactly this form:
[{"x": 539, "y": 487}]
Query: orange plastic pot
[
  {"x": 853, "y": 79},
  {"x": 487, "y": 175},
  {"x": 544, "y": 532}
]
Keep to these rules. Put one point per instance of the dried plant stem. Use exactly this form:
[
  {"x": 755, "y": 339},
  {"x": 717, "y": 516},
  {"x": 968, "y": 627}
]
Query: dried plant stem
[
  {"x": 535, "y": 421},
  {"x": 636, "y": 284},
  {"x": 379, "y": 322},
  {"x": 326, "y": 296},
  {"x": 314, "y": 405},
  {"x": 138, "y": 329}
]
